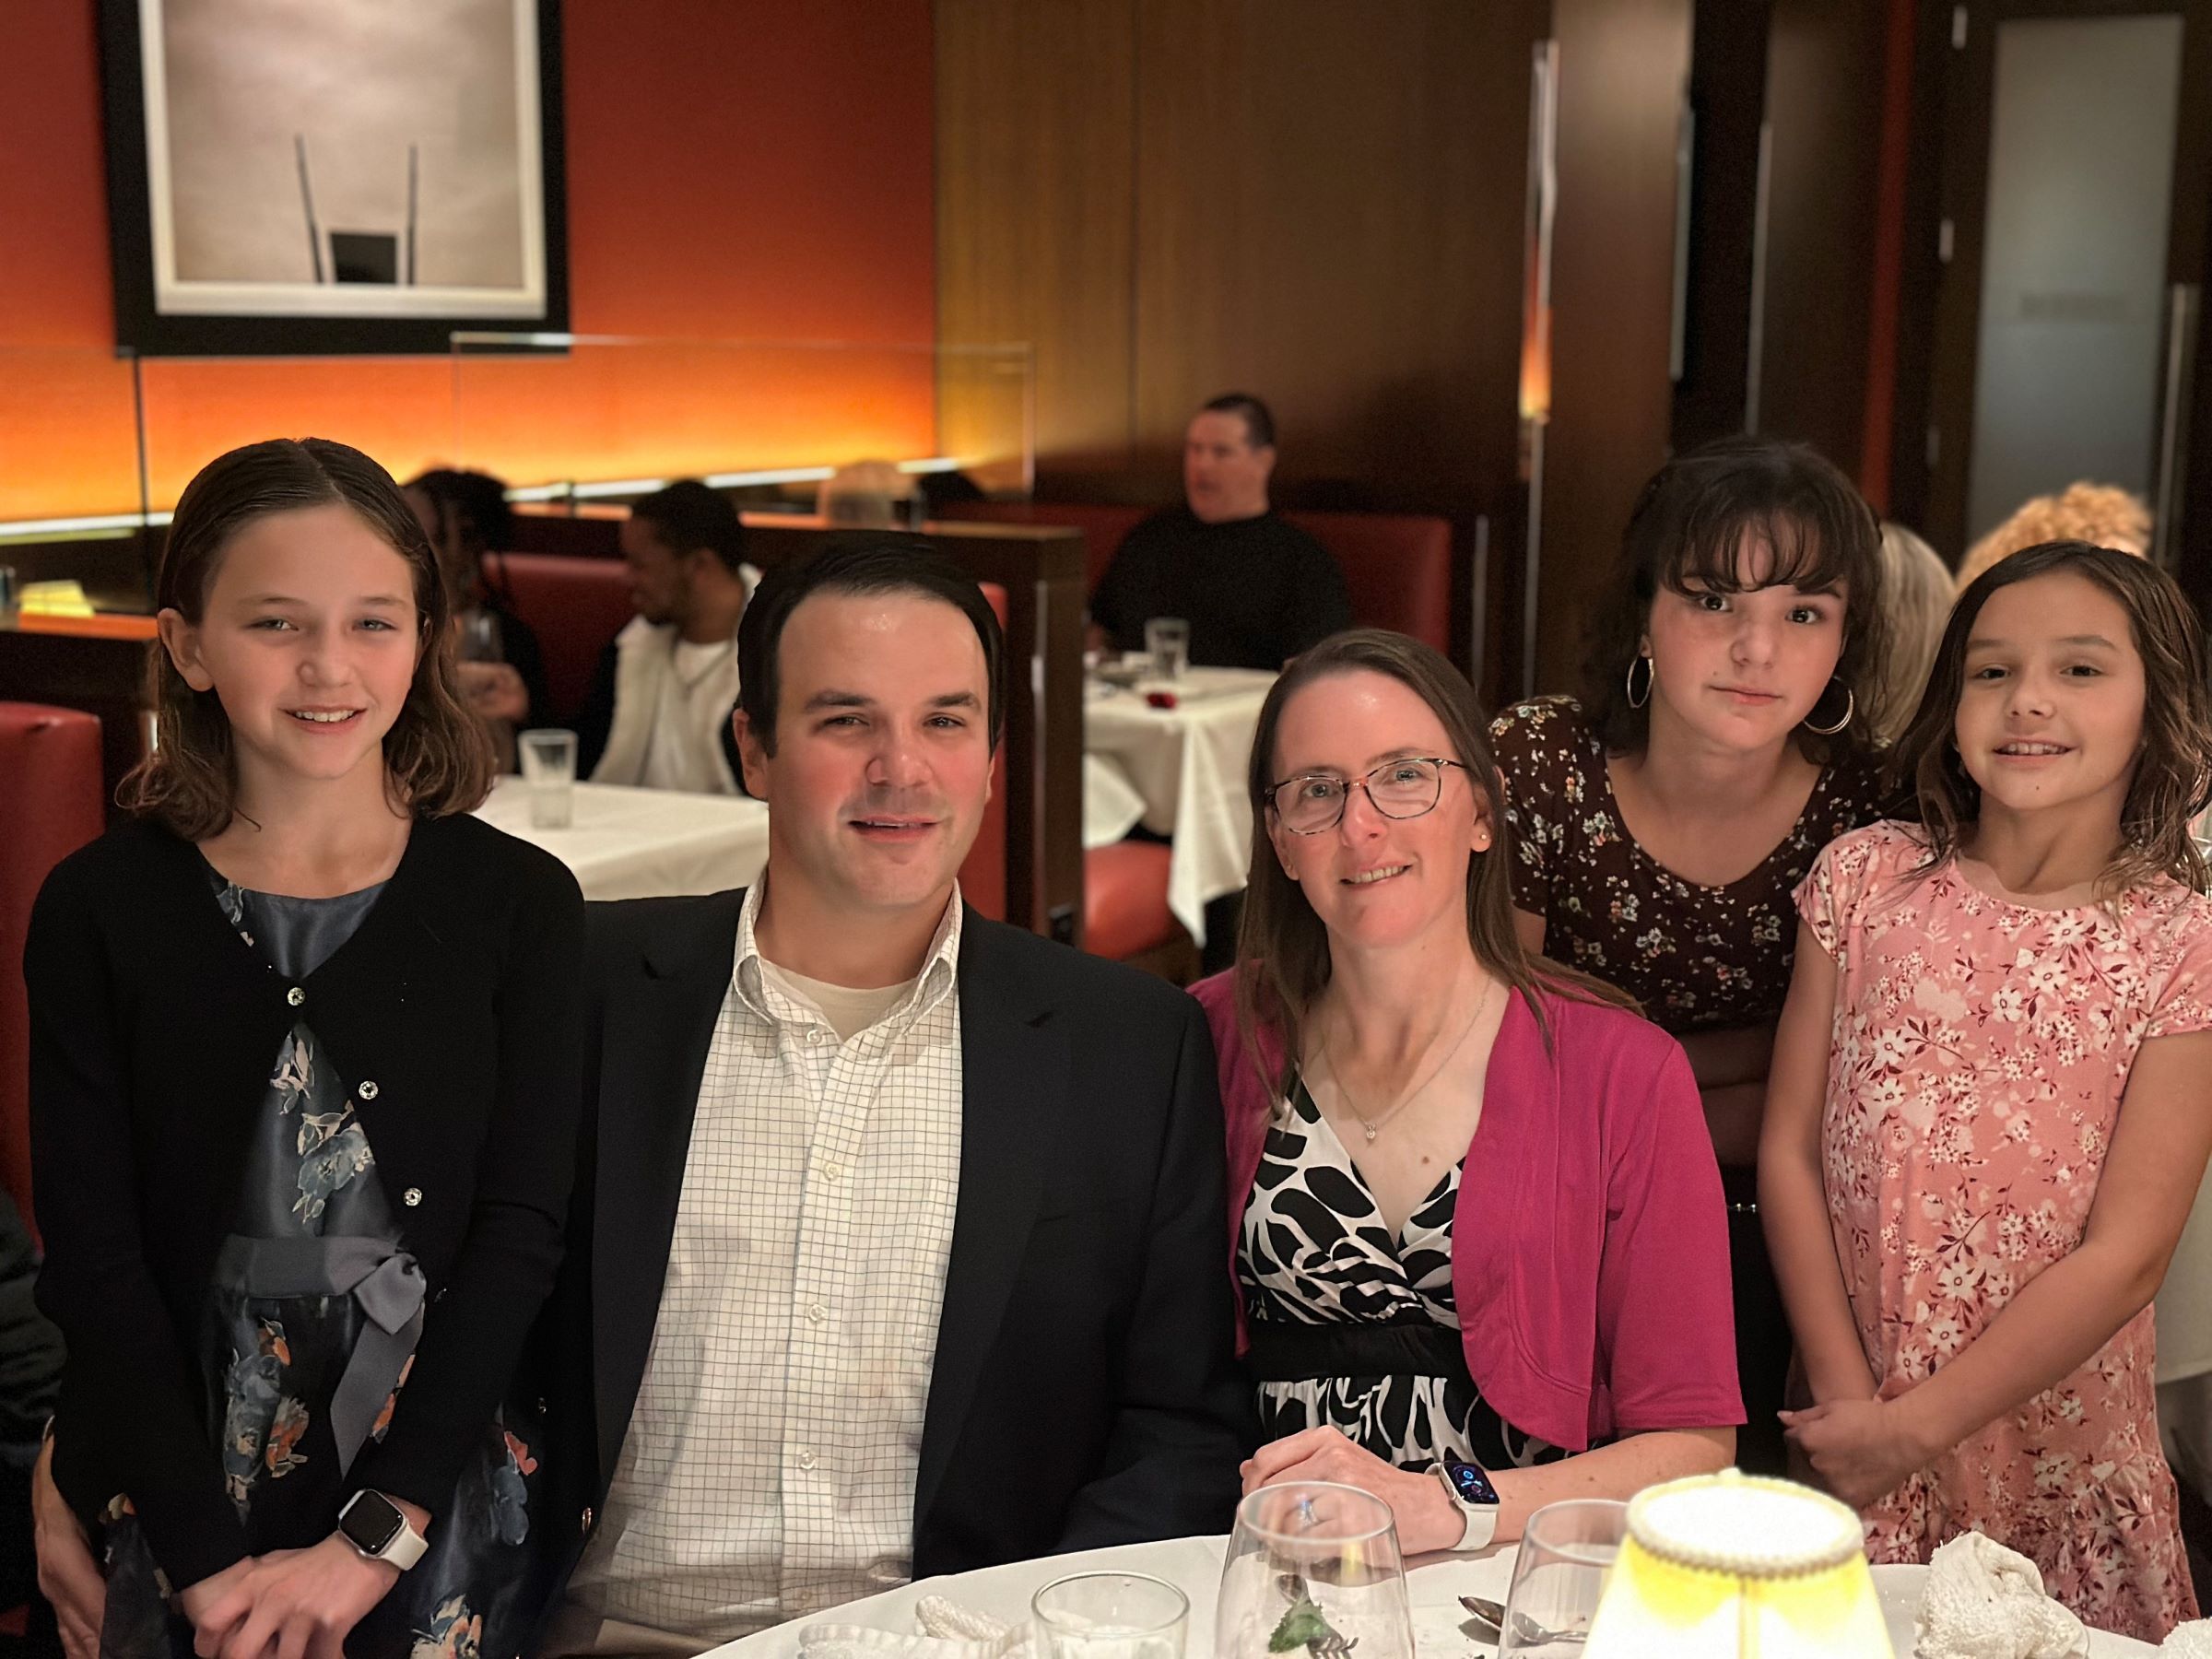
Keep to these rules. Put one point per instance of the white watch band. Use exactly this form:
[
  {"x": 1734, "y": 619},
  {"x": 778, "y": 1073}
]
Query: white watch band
[
  {"x": 403, "y": 1550},
  {"x": 1478, "y": 1522}
]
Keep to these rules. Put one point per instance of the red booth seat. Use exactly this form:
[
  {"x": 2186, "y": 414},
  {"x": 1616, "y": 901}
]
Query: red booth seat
[
  {"x": 575, "y": 607},
  {"x": 49, "y": 804},
  {"x": 1126, "y": 910},
  {"x": 1397, "y": 567}
]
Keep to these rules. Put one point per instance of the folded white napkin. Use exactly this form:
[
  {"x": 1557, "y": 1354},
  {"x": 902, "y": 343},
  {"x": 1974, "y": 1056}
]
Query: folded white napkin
[
  {"x": 943, "y": 1630},
  {"x": 2190, "y": 1641},
  {"x": 1984, "y": 1601}
]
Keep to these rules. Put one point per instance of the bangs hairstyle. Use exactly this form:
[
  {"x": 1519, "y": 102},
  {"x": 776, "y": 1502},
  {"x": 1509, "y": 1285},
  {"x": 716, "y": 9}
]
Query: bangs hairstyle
[
  {"x": 438, "y": 756},
  {"x": 2173, "y": 778},
  {"x": 1283, "y": 947},
  {"x": 1688, "y": 524}
]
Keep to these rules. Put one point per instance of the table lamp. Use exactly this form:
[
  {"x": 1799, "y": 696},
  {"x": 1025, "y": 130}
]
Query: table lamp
[{"x": 1729, "y": 1564}]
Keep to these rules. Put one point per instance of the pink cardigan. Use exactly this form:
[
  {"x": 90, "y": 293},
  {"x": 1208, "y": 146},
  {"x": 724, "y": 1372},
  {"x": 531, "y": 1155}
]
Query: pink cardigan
[{"x": 1591, "y": 1245}]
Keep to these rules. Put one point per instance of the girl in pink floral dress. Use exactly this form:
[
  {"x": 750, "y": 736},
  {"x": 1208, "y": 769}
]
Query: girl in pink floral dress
[{"x": 1991, "y": 1104}]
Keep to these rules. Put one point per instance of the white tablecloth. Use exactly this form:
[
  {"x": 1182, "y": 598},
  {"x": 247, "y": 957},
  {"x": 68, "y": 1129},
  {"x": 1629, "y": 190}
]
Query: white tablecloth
[
  {"x": 1433, "y": 1585},
  {"x": 1187, "y": 764},
  {"x": 643, "y": 843}
]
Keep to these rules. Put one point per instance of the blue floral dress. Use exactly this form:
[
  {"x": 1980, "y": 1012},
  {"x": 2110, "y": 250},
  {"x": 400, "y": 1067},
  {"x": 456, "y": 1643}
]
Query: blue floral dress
[{"x": 309, "y": 1328}]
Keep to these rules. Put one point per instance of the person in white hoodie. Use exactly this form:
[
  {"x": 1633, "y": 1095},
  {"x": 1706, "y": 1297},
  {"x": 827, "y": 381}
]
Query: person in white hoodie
[{"x": 659, "y": 711}]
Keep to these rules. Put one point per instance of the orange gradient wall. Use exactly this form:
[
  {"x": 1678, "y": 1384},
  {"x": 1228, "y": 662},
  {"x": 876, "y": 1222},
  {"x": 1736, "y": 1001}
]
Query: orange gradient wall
[{"x": 736, "y": 170}]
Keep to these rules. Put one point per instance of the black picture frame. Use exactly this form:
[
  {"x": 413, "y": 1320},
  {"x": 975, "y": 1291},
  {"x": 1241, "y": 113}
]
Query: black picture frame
[{"x": 142, "y": 328}]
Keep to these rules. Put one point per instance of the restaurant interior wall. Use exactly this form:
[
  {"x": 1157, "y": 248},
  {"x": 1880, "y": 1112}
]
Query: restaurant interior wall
[
  {"x": 736, "y": 170},
  {"x": 1324, "y": 205}
]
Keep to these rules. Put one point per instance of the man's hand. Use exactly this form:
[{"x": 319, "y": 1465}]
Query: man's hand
[
  {"x": 68, "y": 1576},
  {"x": 494, "y": 690}
]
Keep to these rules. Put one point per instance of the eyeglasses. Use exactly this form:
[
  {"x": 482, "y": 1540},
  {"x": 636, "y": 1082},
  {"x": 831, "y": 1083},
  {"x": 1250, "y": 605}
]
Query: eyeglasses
[{"x": 1314, "y": 803}]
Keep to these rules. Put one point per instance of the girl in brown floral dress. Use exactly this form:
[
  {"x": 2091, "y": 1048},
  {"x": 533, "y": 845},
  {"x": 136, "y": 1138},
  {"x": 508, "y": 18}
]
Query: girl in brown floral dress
[{"x": 1661, "y": 824}]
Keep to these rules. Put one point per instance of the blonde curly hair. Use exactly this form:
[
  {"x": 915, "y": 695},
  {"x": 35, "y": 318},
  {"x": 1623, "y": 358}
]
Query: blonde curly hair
[{"x": 2102, "y": 514}]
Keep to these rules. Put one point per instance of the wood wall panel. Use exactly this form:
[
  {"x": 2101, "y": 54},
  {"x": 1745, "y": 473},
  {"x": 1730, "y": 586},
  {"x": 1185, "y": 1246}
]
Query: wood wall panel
[
  {"x": 1328, "y": 213},
  {"x": 1623, "y": 68},
  {"x": 1034, "y": 206}
]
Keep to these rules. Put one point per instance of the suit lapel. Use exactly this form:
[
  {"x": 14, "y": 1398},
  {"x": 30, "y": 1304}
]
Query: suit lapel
[
  {"x": 661, "y": 1013},
  {"x": 1013, "y": 1080}
]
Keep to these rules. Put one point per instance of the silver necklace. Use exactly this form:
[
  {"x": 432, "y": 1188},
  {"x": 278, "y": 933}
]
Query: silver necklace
[{"x": 1375, "y": 1125}]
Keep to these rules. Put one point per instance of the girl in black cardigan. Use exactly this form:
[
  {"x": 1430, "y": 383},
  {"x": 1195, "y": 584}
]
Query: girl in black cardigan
[{"x": 305, "y": 1047}]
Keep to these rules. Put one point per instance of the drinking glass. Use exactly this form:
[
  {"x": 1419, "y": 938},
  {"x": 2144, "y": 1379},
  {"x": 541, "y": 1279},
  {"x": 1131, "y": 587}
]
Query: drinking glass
[
  {"x": 1110, "y": 1616},
  {"x": 1167, "y": 642},
  {"x": 1315, "y": 1567},
  {"x": 480, "y": 640},
  {"x": 1566, "y": 1551},
  {"x": 549, "y": 775}
]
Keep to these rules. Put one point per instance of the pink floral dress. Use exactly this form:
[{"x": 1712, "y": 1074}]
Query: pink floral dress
[{"x": 1981, "y": 1050}]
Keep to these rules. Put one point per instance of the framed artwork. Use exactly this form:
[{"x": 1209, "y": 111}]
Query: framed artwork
[{"x": 344, "y": 176}]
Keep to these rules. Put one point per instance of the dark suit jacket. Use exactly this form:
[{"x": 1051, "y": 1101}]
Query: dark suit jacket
[
  {"x": 1085, "y": 1391},
  {"x": 153, "y": 1026}
]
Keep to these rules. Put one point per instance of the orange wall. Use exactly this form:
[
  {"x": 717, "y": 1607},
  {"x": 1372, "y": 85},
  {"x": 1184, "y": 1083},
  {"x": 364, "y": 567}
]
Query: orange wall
[{"x": 737, "y": 171}]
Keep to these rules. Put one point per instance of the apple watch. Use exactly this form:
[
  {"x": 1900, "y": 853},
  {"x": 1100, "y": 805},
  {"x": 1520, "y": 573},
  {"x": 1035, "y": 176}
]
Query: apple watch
[
  {"x": 1476, "y": 1499},
  {"x": 373, "y": 1524}
]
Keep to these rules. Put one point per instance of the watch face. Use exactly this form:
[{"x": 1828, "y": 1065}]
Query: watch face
[
  {"x": 1468, "y": 1480},
  {"x": 371, "y": 1522}
]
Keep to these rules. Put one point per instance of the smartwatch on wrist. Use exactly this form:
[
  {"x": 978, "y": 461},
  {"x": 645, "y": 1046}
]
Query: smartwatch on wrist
[
  {"x": 1476, "y": 1499},
  {"x": 373, "y": 1524}
]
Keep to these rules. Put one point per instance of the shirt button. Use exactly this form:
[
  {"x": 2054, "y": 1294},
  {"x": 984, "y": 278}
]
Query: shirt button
[
  {"x": 368, "y": 1091},
  {"x": 816, "y": 1034},
  {"x": 806, "y": 1460},
  {"x": 411, "y": 1197},
  {"x": 835, "y": 1172},
  {"x": 817, "y": 1313},
  {"x": 295, "y": 996}
]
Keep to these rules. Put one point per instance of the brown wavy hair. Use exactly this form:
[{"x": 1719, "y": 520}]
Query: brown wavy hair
[
  {"x": 438, "y": 756},
  {"x": 2173, "y": 779},
  {"x": 1687, "y": 526},
  {"x": 1283, "y": 947}
]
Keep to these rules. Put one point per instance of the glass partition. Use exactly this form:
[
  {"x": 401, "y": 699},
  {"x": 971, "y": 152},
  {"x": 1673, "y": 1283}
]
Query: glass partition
[
  {"x": 95, "y": 445},
  {"x": 576, "y": 419}
]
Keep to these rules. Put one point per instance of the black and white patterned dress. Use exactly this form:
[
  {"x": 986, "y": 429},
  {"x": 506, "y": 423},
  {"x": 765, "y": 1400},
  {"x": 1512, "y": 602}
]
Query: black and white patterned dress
[{"x": 1325, "y": 1285}]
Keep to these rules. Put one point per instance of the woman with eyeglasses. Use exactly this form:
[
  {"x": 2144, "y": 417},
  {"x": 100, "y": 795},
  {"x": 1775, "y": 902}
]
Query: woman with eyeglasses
[
  {"x": 1476, "y": 1227},
  {"x": 1725, "y": 734}
]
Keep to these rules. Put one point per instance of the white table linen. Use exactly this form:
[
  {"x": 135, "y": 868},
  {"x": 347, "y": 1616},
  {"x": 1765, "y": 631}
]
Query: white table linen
[
  {"x": 1187, "y": 766},
  {"x": 1433, "y": 1584},
  {"x": 643, "y": 843}
]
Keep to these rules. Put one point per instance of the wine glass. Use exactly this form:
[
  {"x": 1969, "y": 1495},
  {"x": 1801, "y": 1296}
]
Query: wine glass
[
  {"x": 1566, "y": 1551},
  {"x": 1110, "y": 1616},
  {"x": 1315, "y": 1567}
]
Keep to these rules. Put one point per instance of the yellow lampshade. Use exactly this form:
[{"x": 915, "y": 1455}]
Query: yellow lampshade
[{"x": 1727, "y": 1564}]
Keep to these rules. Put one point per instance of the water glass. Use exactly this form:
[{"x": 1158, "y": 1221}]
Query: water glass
[
  {"x": 1566, "y": 1552},
  {"x": 480, "y": 640},
  {"x": 1110, "y": 1616},
  {"x": 1167, "y": 642},
  {"x": 1314, "y": 1566},
  {"x": 549, "y": 775}
]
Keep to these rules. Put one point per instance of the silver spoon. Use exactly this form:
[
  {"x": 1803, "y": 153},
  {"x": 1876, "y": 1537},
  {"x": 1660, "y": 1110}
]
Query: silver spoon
[{"x": 1526, "y": 1631}]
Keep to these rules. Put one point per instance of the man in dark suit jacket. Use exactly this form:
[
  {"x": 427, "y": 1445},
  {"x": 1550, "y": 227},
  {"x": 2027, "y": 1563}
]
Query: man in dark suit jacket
[
  {"x": 896, "y": 1246},
  {"x": 896, "y": 1243}
]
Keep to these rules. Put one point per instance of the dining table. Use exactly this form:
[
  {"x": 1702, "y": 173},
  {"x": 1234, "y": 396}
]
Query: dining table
[
  {"x": 1441, "y": 1628},
  {"x": 1173, "y": 753},
  {"x": 642, "y": 843}
]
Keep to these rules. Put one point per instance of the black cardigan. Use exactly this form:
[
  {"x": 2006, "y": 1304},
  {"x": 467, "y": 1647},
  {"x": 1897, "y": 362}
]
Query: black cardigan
[{"x": 154, "y": 1027}]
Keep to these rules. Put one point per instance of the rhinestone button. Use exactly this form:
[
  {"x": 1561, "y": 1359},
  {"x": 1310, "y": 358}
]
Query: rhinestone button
[
  {"x": 368, "y": 1091},
  {"x": 295, "y": 996},
  {"x": 411, "y": 1197}
]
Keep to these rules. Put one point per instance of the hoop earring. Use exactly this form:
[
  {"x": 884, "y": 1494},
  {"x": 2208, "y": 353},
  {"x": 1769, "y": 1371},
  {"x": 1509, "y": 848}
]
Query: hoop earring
[
  {"x": 1851, "y": 707},
  {"x": 1629, "y": 684}
]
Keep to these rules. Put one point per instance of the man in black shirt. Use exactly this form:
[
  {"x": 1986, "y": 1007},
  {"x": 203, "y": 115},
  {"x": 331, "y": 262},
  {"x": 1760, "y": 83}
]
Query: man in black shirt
[{"x": 1255, "y": 591}]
